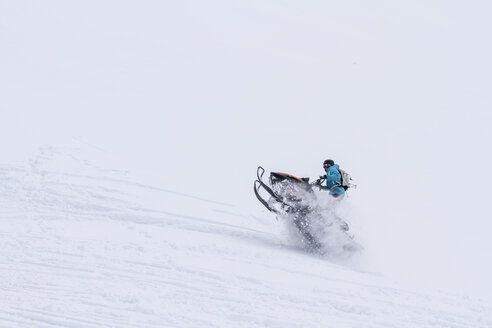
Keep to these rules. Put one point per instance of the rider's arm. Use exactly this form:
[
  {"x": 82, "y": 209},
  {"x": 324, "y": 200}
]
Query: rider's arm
[{"x": 333, "y": 178}]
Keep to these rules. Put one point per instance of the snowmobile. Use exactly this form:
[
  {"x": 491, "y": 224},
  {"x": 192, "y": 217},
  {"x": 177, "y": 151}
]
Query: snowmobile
[
  {"x": 294, "y": 198},
  {"x": 289, "y": 196}
]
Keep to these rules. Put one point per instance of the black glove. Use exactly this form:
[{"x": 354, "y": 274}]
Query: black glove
[{"x": 319, "y": 181}]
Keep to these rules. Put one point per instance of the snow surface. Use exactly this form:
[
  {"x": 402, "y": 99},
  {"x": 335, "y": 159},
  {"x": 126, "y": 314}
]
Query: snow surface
[
  {"x": 86, "y": 246},
  {"x": 130, "y": 134}
]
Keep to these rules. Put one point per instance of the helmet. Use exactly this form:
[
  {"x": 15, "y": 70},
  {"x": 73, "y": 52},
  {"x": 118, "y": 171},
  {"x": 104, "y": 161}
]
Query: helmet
[{"x": 328, "y": 163}]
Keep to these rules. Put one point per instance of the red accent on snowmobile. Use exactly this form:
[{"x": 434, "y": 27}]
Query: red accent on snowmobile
[{"x": 289, "y": 175}]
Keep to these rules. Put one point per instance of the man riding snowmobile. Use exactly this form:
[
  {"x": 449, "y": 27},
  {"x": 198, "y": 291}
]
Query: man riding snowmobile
[
  {"x": 294, "y": 199},
  {"x": 333, "y": 179}
]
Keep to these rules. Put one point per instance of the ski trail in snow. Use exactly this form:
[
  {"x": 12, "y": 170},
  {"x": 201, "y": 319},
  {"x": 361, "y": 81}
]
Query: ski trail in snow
[{"x": 84, "y": 246}]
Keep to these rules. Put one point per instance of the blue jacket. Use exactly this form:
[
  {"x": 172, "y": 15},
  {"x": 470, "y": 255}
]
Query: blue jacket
[{"x": 333, "y": 181}]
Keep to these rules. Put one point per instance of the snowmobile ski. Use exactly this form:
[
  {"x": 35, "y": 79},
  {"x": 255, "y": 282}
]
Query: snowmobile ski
[
  {"x": 258, "y": 184},
  {"x": 264, "y": 202},
  {"x": 267, "y": 188}
]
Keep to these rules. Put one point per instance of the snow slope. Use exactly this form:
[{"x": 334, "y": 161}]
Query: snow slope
[{"x": 87, "y": 246}]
